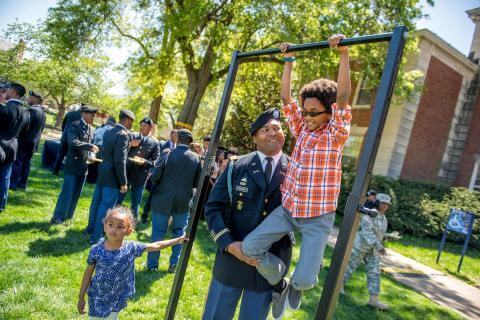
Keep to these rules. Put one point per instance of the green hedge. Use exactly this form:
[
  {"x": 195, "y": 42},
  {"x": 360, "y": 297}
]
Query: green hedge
[{"x": 420, "y": 208}]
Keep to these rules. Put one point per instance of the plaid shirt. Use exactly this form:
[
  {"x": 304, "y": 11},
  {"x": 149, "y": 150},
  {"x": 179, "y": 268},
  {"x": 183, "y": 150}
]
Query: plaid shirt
[{"x": 312, "y": 183}]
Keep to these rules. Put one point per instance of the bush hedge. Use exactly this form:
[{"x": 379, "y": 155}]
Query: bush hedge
[{"x": 420, "y": 208}]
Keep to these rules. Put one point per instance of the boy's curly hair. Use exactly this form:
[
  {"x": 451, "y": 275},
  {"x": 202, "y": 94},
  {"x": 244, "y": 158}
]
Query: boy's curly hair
[{"x": 323, "y": 89}]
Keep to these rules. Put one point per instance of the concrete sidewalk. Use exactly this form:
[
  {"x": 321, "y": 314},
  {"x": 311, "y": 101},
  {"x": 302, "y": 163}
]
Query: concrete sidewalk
[{"x": 435, "y": 285}]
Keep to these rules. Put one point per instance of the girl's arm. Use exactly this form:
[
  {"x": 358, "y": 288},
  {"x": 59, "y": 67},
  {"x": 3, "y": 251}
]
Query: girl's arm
[
  {"x": 343, "y": 81},
  {"x": 285, "y": 90},
  {"x": 159, "y": 245},
  {"x": 87, "y": 276}
]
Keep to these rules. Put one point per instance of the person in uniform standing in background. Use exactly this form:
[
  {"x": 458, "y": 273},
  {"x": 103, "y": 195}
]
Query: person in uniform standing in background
[
  {"x": 14, "y": 120},
  {"x": 171, "y": 143},
  {"x": 243, "y": 196},
  {"x": 145, "y": 151},
  {"x": 28, "y": 142},
  {"x": 112, "y": 176},
  {"x": 368, "y": 247},
  {"x": 79, "y": 141}
]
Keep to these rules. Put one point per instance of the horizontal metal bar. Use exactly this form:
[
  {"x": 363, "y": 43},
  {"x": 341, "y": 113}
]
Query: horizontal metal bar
[{"x": 382, "y": 37}]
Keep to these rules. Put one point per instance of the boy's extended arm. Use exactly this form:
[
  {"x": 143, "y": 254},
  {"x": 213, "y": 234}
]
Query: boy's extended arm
[
  {"x": 159, "y": 245},
  {"x": 285, "y": 89},
  {"x": 87, "y": 277},
  {"x": 344, "y": 85}
]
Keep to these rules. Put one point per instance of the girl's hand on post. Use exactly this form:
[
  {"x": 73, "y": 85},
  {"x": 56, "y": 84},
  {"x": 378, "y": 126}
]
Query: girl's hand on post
[
  {"x": 284, "y": 47},
  {"x": 334, "y": 40}
]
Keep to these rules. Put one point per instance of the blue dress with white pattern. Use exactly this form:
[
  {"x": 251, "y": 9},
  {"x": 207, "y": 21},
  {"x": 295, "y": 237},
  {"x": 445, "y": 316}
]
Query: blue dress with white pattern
[{"x": 114, "y": 279}]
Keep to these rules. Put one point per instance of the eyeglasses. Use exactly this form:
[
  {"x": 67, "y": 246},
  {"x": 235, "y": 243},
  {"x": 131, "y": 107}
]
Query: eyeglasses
[{"x": 312, "y": 113}]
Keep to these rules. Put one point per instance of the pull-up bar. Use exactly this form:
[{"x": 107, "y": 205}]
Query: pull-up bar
[{"x": 343, "y": 248}]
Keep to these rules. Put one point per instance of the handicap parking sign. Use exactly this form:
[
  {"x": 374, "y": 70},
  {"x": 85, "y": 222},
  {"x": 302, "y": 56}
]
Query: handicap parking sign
[{"x": 460, "y": 221}]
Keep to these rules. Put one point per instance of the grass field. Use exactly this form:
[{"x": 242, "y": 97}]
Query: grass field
[{"x": 41, "y": 268}]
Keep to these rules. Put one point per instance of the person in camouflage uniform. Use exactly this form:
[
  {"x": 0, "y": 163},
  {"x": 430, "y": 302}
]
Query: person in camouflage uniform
[{"x": 368, "y": 248}]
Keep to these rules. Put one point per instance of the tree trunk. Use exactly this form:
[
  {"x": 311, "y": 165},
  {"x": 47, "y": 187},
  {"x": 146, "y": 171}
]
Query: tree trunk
[
  {"x": 60, "y": 114},
  {"x": 195, "y": 91},
  {"x": 155, "y": 108}
]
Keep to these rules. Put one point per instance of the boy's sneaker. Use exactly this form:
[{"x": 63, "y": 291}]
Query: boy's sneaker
[
  {"x": 279, "y": 302},
  {"x": 294, "y": 298}
]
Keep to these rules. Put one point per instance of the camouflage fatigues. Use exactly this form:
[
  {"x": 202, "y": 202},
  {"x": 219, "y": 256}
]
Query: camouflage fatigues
[{"x": 365, "y": 248}]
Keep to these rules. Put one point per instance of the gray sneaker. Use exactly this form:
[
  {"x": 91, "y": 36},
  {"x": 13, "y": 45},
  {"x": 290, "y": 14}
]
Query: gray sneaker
[
  {"x": 279, "y": 302},
  {"x": 294, "y": 298}
]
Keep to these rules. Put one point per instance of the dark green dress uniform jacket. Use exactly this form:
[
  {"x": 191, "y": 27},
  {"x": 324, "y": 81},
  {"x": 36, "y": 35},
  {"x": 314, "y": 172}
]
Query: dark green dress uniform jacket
[
  {"x": 252, "y": 202},
  {"x": 112, "y": 172},
  {"x": 14, "y": 120},
  {"x": 79, "y": 140},
  {"x": 149, "y": 149}
]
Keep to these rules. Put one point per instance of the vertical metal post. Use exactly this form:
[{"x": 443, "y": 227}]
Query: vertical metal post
[
  {"x": 202, "y": 190},
  {"x": 343, "y": 248},
  {"x": 465, "y": 245},
  {"x": 442, "y": 243}
]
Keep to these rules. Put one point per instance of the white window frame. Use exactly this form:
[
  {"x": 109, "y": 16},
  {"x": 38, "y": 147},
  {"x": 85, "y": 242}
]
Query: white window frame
[
  {"x": 475, "y": 174},
  {"x": 357, "y": 92}
]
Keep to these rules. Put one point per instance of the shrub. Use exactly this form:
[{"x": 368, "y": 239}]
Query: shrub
[{"x": 419, "y": 208}]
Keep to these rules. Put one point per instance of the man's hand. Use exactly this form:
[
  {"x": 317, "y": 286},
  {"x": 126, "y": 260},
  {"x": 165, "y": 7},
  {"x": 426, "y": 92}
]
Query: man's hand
[
  {"x": 81, "y": 305},
  {"x": 382, "y": 252},
  {"x": 134, "y": 143},
  {"x": 123, "y": 188},
  {"x": 334, "y": 40},
  {"x": 284, "y": 47},
  {"x": 235, "y": 249},
  {"x": 95, "y": 149}
]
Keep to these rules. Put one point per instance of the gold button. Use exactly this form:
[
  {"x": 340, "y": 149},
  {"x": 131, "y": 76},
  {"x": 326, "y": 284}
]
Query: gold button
[
  {"x": 241, "y": 194},
  {"x": 266, "y": 200},
  {"x": 264, "y": 213}
]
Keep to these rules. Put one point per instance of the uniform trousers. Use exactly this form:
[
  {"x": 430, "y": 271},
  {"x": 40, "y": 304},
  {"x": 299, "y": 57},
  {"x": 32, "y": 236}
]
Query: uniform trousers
[
  {"x": 372, "y": 267},
  {"x": 136, "y": 193},
  {"x": 68, "y": 197},
  {"x": 5, "y": 173},
  {"x": 21, "y": 169},
  {"x": 278, "y": 223},
  {"x": 104, "y": 198},
  {"x": 222, "y": 301}
]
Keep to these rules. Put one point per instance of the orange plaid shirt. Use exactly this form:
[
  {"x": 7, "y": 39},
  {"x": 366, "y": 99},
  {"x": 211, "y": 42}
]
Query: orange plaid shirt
[{"x": 314, "y": 174}]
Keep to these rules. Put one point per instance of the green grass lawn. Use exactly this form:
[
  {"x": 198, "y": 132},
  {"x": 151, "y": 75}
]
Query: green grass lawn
[
  {"x": 426, "y": 250},
  {"x": 41, "y": 267}
]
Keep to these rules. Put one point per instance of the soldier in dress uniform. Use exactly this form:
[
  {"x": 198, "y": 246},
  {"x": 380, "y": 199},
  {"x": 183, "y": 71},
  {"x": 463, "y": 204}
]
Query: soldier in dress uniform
[
  {"x": 145, "y": 151},
  {"x": 368, "y": 248},
  {"x": 79, "y": 141},
  {"x": 28, "y": 142},
  {"x": 14, "y": 120},
  {"x": 245, "y": 193},
  {"x": 112, "y": 174}
]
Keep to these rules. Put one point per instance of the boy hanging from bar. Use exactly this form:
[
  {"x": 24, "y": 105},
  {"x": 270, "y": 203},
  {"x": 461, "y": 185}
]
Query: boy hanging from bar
[{"x": 321, "y": 124}]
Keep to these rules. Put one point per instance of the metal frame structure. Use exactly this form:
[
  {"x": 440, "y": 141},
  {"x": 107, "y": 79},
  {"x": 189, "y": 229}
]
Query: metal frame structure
[{"x": 328, "y": 301}]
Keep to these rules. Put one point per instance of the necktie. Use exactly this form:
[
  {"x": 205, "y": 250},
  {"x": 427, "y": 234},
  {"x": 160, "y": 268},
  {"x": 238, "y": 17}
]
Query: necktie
[{"x": 268, "y": 169}]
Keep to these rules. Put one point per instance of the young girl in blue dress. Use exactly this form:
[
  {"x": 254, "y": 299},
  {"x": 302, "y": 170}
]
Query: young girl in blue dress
[{"x": 113, "y": 262}]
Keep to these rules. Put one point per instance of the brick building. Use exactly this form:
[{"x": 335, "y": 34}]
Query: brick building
[{"x": 435, "y": 135}]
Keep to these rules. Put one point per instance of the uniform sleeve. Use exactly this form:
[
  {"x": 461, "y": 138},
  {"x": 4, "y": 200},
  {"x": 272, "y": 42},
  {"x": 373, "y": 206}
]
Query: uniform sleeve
[
  {"x": 137, "y": 248},
  {"x": 158, "y": 170},
  {"x": 92, "y": 256},
  {"x": 153, "y": 156},
  {"x": 367, "y": 233},
  {"x": 120, "y": 157},
  {"x": 295, "y": 119},
  {"x": 339, "y": 124},
  {"x": 74, "y": 138},
  {"x": 215, "y": 211},
  {"x": 198, "y": 173}
]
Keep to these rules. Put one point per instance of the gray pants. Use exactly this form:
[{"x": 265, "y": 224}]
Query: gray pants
[{"x": 280, "y": 222}]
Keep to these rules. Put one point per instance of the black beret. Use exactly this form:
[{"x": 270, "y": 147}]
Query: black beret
[
  {"x": 263, "y": 118},
  {"x": 185, "y": 133},
  {"x": 126, "y": 114},
  {"x": 19, "y": 88},
  {"x": 148, "y": 121},
  {"x": 88, "y": 109},
  {"x": 207, "y": 137},
  {"x": 34, "y": 94}
]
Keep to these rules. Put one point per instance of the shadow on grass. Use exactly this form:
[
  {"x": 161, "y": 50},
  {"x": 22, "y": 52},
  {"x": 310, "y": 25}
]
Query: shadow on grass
[
  {"x": 144, "y": 280},
  {"x": 25, "y": 226},
  {"x": 74, "y": 241}
]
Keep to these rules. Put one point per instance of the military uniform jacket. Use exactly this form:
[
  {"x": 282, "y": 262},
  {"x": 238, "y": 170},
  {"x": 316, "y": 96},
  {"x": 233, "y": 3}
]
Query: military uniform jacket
[
  {"x": 175, "y": 180},
  {"x": 149, "y": 149},
  {"x": 69, "y": 118},
  {"x": 112, "y": 172},
  {"x": 79, "y": 139},
  {"x": 372, "y": 231},
  {"x": 252, "y": 201},
  {"x": 31, "y": 137},
  {"x": 14, "y": 120}
]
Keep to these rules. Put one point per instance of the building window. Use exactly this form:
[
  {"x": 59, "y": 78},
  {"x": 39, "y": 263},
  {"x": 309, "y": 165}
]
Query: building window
[
  {"x": 354, "y": 144},
  {"x": 475, "y": 179},
  {"x": 363, "y": 95}
]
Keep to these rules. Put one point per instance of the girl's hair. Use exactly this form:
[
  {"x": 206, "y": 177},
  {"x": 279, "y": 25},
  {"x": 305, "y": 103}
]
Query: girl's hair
[
  {"x": 121, "y": 210},
  {"x": 323, "y": 89}
]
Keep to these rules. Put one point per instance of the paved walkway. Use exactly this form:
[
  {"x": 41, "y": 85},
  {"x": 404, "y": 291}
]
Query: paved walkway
[{"x": 435, "y": 285}]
